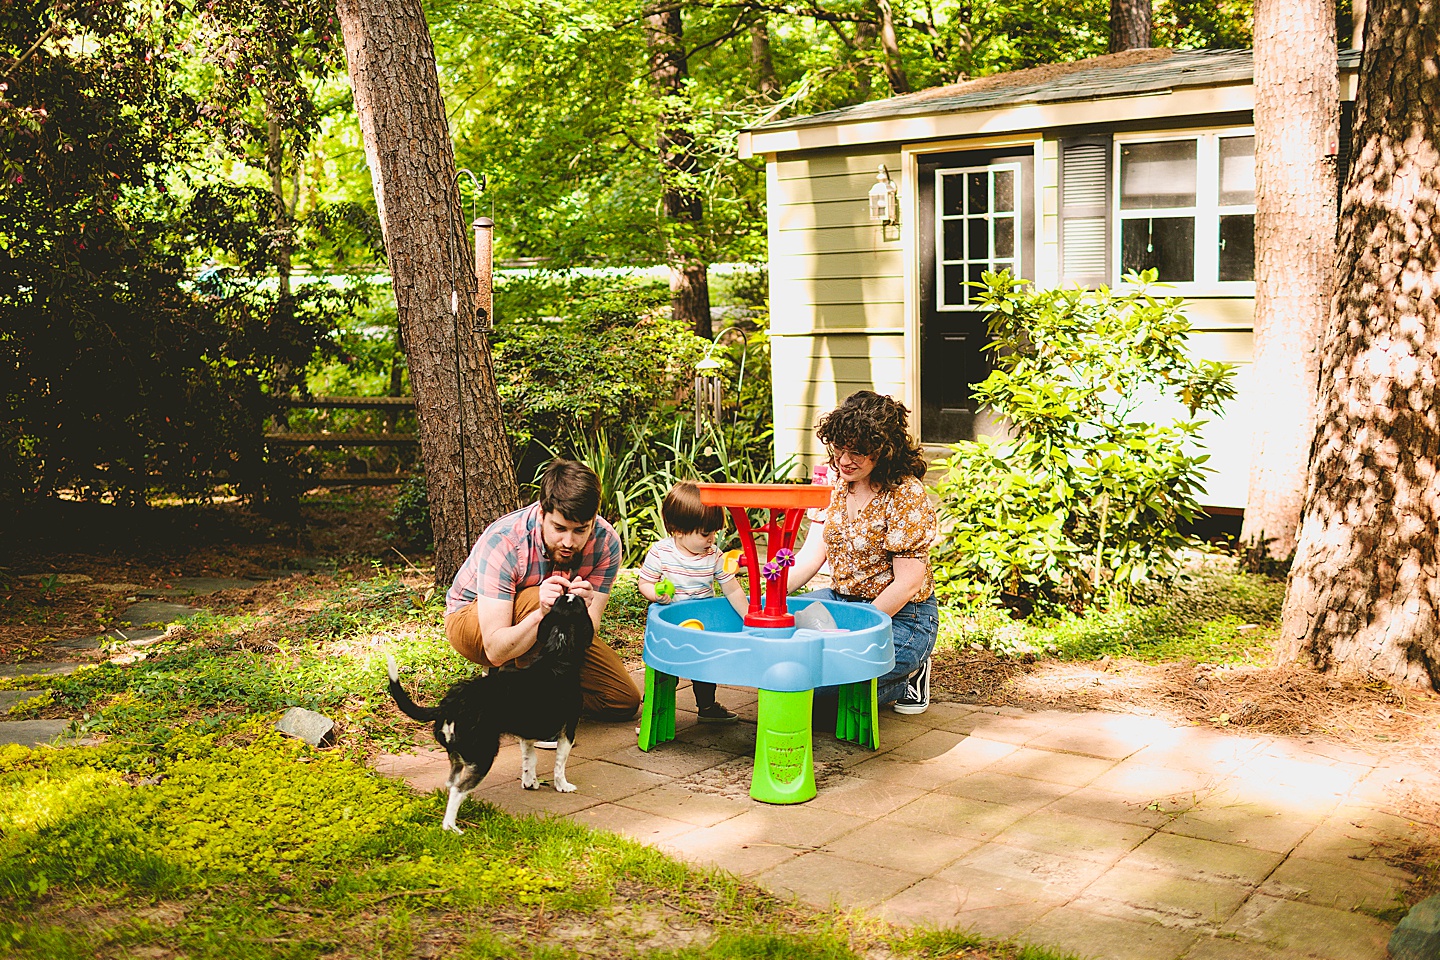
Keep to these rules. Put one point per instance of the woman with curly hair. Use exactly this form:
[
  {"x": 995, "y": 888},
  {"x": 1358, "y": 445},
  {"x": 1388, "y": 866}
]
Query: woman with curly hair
[{"x": 877, "y": 534}]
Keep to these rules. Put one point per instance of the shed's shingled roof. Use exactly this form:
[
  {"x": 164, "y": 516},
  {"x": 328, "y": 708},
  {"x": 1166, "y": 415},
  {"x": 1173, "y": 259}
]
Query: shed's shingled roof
[{"x": 1113, "y": 75}]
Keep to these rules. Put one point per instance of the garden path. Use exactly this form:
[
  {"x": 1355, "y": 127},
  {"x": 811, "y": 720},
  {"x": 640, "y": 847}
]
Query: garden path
[
  {"x": 141, "y": 623},
  {"x": 1111, "y": 835}
]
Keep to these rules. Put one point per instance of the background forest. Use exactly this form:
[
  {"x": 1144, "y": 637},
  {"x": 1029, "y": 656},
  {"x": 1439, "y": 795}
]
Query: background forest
[{"x": 188, "y": 231}]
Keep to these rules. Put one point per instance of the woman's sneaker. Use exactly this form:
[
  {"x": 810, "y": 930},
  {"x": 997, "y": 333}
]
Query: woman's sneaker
[
  {"x": 715, "y": 713},
  {"x": 916, "y": 698}
]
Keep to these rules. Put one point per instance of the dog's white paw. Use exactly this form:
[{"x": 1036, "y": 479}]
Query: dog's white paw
[
  {"x": 452, "y": 827},
  {"x": 563, "y": 785},
  {"x": 529, "y": 783}
]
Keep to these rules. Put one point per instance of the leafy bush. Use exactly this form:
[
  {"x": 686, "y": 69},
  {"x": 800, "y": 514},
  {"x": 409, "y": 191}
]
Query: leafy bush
[
  {"x": 1086, "y": 496},
  {"x": 612, "y": 359},
  {"x": 411, "y": 514}
]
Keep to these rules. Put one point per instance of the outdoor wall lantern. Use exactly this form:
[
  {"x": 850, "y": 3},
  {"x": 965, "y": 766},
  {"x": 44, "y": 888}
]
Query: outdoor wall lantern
[{"x": 884, "y": 202}]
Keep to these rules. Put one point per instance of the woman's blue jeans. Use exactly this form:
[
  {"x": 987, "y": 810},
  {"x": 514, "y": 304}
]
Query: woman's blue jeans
[{"x": 914, "y": 628}]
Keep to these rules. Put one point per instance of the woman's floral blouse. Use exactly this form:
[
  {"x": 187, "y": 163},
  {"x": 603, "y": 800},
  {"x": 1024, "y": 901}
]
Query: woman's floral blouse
[{"x": 897, "y": 523}]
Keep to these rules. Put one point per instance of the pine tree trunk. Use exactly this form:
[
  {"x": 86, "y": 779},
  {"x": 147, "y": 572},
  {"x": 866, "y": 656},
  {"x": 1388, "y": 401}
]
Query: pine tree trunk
[
  {"x": 682, "y": 203},
  {"x": 1129, "y": 25},
  {"x": 1297, "y": 121},
  {"x": 1364, "y": 593},
  {"x": 469, "y": 474}
]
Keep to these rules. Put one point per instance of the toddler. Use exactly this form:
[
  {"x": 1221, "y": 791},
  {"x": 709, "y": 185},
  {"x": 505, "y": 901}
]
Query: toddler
[{"x": 689, "y": 561}]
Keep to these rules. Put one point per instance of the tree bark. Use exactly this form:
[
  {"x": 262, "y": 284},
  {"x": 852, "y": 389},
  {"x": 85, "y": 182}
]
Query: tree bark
[
  {"x": 1364, "y": 593},
  {"x": 469, "y": 473},
  {"x": 681, "y": 202},
  {"x": 890, "y": 44},
  {"x": 761, "y": 63},
  {"x": 1129, "y": 25},
  {"x": 1297, "y": 123}
]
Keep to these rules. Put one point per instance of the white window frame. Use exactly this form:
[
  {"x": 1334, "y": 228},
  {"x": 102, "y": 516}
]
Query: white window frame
[
  {"x": 1207, "y": 210},
  {"x": 1017, "y": 267}
]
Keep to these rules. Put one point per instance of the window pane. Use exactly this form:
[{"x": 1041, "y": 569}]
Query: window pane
[
  {"x": 1156, "y": 175},
  {"x": 1237, "y": 247},
  {"x": 1004, "y": 191},
  {"x": 976, "y": 269},
  {"x": 954, "y": 240},
  {"x": 1004, "y": 237},
  {"x": 1237, "y": 170},
  {"x": 979, "y": 188},
  {"x": 952, "y": 189},
  {"x": 955, "y": 285},
  {"x": 1166, "y": 244},
  {"x": 979, "y": 239}
]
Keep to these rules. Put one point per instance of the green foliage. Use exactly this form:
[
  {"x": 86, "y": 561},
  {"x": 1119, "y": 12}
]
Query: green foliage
[
  {"x": 1087, "y": 496},
  {"x": 411, "y": 515},
  {"x": 1207, "y": 615},
  {"x": 613, "y": 357}
]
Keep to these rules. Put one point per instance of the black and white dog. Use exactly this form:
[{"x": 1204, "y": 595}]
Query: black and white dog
[{"x": 532, "y": 704}]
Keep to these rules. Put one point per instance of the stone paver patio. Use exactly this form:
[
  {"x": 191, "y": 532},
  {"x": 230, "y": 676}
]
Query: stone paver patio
[{"x": 1109, "y": 835}]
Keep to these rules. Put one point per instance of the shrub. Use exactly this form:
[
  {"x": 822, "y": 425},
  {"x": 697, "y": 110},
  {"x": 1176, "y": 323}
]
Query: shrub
[{"x": 1087, "y": 494}]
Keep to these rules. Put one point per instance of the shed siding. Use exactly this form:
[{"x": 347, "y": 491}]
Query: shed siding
[{"x": 837, "y": 305}]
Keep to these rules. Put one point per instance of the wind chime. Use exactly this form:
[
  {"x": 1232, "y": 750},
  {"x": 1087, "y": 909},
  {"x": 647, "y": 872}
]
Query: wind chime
[{"x": 708, "y": 393}]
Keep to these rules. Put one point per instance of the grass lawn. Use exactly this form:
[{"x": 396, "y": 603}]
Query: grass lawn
[{"x": 194, "y": 830}]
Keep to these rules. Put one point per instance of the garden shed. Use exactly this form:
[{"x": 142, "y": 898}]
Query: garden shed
[{"x": 1075, "y": 173}]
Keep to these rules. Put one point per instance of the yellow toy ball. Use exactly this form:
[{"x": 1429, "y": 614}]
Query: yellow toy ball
[{"x": 692, "y": 624}]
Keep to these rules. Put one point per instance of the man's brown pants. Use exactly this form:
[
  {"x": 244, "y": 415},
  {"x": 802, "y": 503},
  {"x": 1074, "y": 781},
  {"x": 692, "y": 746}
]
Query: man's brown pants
[{"x": 607, "y": 690}]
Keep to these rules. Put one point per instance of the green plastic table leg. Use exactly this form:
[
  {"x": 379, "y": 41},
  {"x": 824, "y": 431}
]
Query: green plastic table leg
[
  {"x": 858, "y": 720},
  {"x": 657, "y": 716},
  {"x": 784, "y": 762}
]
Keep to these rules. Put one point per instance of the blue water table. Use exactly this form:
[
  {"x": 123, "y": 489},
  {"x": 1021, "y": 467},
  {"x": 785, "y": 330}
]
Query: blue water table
[{"x": 837, "y": 644}]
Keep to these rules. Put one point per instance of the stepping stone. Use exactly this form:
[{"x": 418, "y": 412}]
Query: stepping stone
[
  {"x": 31, "y": 733},
  {"x": 155, "y": 611},
  {"x": 96, "y": 641},
  {"x": 12, "y": 698},
  {"x": 1418, "y": 935},
  {"x": 37, "y": 668},
  {"x": 196, "y": 587},
  {"x": 314, "y": 728}
]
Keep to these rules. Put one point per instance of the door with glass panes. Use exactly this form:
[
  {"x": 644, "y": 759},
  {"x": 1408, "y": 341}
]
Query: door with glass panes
[{"x": 973, "y": 220}]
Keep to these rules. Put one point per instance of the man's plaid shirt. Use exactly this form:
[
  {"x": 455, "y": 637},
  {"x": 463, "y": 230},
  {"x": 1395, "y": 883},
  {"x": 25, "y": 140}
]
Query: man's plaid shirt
[{"x": 510, "y": 556}]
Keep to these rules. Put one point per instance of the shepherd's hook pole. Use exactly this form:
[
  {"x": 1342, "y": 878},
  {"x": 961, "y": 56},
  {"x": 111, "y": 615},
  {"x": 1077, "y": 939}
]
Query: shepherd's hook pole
[{"x": 455, "y": 322}]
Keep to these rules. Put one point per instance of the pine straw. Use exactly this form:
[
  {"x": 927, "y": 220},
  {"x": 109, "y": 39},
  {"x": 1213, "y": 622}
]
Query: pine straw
[{"x": 1285, "y": 700}]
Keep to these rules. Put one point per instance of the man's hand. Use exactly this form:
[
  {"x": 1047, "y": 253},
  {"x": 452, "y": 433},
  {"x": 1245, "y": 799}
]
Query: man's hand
[
  {"x": 552, "y": 589},
  {"x": 581, "y": 588}
]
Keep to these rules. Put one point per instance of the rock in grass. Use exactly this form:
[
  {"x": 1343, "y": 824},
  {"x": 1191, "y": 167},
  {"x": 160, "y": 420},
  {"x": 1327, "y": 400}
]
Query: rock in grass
[
  {"x": 314, "y": 728},
  {"x": 1418, "y": 936}
]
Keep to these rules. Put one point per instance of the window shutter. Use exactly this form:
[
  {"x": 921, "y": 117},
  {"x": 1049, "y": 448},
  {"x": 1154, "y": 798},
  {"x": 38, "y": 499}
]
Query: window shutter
[
  {"x": 1085, "y": 210},
  {"x": 1345, "y": 149}
]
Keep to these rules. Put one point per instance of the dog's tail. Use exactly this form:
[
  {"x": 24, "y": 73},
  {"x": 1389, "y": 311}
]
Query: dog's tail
[{"x": 402, "y": 699}]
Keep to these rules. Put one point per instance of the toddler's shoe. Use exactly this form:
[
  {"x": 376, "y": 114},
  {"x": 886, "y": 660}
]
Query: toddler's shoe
[{"x": 716, "y": 713}]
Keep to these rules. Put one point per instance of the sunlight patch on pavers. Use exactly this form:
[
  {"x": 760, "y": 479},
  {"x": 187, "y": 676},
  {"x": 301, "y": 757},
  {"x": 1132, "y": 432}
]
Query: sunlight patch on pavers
[
  {"x": 38, "y": 668},
  {"x": 1068, "y": 769},
  {"x": 1018, "y": 793},
  {"x": 636, "y": 824},
  {"x": 957, "y": 816}
]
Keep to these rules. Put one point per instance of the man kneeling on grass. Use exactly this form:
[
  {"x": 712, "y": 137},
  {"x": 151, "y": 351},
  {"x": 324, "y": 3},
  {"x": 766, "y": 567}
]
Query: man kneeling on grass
[{"x": 522, "y": 564}]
